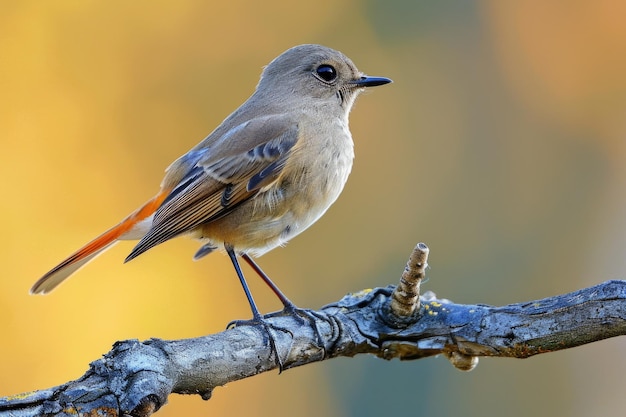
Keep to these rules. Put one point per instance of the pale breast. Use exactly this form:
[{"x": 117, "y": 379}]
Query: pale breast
[{"x": 311, "y": 181}]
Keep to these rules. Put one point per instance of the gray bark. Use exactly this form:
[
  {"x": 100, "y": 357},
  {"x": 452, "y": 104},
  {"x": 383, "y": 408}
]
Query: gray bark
[{"x": 135, "y": 378}]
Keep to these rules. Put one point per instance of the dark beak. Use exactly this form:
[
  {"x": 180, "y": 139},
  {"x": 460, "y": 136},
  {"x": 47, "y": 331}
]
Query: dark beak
[{"x": 371, "y": 81}]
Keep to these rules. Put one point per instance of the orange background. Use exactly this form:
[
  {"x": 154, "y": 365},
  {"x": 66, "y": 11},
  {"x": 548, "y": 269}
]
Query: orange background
[{"x": 501, "y": 144}]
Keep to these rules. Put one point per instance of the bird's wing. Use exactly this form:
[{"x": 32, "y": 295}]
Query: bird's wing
[{"x": 216, "y": 179}]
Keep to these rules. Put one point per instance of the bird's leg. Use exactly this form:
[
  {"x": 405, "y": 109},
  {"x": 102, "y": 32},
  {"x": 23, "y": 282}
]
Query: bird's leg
[
  {"x": 257, "y": 318},
  {"x": 289, "y": 307},
  {"x": 287, "y": 303}
]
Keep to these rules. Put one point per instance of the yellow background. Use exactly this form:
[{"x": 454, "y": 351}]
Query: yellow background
[{"x": 501, "y": 144}]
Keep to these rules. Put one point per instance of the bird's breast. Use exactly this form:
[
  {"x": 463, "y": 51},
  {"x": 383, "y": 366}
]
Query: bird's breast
[{"x": 313, "y": 177}]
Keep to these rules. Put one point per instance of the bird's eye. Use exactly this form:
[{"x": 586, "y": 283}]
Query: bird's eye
[{"x": 327, "y": 73}]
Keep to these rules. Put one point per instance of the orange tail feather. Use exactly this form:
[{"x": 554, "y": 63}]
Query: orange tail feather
[{"x": 85, "y": 254}]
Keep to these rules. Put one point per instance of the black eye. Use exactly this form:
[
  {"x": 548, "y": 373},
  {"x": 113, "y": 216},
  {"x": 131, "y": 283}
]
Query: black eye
[{"x": 326, "y": 73}]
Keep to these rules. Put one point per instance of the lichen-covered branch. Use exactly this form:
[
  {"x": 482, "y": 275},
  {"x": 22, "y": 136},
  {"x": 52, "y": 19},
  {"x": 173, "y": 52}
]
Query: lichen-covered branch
[{"x": 135, "y": 378}]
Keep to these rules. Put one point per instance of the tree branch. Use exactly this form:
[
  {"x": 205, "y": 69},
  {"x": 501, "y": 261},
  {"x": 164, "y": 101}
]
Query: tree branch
[{"x": 135, "y": 378}]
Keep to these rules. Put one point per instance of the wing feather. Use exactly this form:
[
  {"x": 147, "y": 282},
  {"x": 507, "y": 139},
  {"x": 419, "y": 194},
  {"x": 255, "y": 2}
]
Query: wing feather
[{"x": 215, "y": 182}]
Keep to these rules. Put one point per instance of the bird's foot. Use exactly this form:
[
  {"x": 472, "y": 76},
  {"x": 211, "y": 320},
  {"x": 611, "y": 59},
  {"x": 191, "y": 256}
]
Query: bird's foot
[
  {"x": 260, "y": 321},
  {"x": 306, "y": 317}
]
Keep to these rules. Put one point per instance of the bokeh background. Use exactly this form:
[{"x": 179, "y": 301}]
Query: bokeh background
[{"x": 501, "y": 144}]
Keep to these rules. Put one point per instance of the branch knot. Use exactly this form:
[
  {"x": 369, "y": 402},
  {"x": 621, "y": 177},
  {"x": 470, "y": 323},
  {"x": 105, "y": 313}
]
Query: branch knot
[{"x": 403, "y": 309}]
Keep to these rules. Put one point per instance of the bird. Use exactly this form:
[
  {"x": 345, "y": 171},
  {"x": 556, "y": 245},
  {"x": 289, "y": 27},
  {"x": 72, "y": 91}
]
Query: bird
[{"x": 265, "y": 174}]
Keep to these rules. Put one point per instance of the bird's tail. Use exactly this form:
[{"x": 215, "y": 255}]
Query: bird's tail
[{"x": 92, "y": 249}]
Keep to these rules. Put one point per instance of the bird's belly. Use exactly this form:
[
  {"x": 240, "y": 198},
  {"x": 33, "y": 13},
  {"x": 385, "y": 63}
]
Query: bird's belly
[{"x": 278, "y": 213}]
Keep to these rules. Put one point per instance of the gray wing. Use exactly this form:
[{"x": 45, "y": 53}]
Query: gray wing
[{"x": 209, "y": 182}]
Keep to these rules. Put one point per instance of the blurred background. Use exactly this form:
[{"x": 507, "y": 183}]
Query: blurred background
[{"x": 501, "y": 144}]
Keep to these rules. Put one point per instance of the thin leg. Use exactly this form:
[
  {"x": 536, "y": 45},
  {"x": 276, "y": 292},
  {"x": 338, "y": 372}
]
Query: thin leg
[
  {"x": 290, "y": 308},
  {"x": 257, "y": 318},
  {"x": 281, "y": 296},
  {"x": 233, "y": 257}
]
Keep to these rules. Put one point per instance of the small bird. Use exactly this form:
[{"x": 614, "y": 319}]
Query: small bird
[{"x": 263, "y": 176}]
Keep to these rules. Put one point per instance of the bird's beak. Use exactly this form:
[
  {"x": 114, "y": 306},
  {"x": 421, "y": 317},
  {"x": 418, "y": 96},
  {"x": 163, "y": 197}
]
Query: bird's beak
[{"x": 366, "y": 81}]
